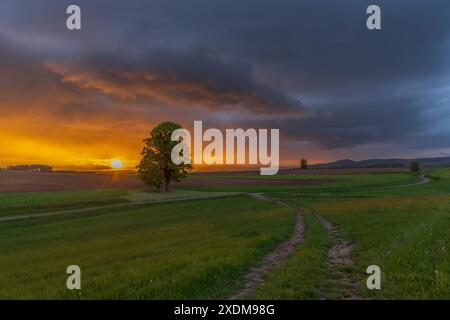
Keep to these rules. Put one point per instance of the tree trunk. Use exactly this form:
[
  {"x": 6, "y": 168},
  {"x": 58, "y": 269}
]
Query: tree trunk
[{"x": 167, "y": 184}]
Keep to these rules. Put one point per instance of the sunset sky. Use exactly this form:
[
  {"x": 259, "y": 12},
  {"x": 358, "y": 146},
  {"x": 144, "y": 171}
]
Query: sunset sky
[{"x": 78, "y": 99}]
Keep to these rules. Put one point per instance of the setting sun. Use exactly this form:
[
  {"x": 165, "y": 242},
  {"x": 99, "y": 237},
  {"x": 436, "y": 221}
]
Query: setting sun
[{"x": 116, "y": 164}]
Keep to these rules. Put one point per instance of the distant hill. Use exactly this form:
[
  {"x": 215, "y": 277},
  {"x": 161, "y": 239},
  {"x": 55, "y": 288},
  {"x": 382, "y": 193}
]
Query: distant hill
[{"x": 383, "y": 163}]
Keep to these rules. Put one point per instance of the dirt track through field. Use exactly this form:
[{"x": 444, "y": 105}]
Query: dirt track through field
[
  {"x": 423, "y": 180},
  {"x": 273, "y": 259},
  {"x": 339, "y": 261},
  {"x": 109, "y": 206}
]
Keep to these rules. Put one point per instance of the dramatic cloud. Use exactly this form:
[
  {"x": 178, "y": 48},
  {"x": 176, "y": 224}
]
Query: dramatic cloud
[
  {"x": 179, "y": 79},
  {"x": 308, "y": 67}
]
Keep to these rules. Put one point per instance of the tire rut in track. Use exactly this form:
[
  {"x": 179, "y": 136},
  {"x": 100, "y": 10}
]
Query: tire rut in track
[
  {"x": 339, "y": 264},
  {"x": 256, "y": 276}
]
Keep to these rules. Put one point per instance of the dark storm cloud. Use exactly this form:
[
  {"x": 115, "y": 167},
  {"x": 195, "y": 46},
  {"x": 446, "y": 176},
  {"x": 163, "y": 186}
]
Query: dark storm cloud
[
  {"x": 314, "y": 46},
  {"x": 261, "y": 57},
  {"x": 357, "y": 124},
  {"x": 177, "y": 78},
  {"x": 412, "y": 114}
]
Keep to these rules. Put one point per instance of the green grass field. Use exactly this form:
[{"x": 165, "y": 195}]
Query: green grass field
[
  {"x": 194, "y": 249},
  {"x": 35, "y": 202},
  {"x": 24, "y": 203},
  {"x": 395, "y": 223},
  {"x": 338, "y": 183},
  {"x": 201, "y": 248},
  {"x": 402, "y": 229}
]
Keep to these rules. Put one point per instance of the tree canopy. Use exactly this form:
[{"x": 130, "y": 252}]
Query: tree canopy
[
  {"x": 414, "y": 166},
  {"x": 156, "y": 168},
  {"x": 303, "y": 164}
]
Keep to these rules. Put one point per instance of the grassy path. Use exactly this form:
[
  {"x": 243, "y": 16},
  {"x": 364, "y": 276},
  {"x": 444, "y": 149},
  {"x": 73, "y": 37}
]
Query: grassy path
[
  {"x": 423, "y": 180},
  {"x": 303, "y": 274},
  {"x": 110, "y": 206},
  {"x": 256, "y": 276},
  {"x": 339, "y": 263},
  {"x": 336, "y": 280}
]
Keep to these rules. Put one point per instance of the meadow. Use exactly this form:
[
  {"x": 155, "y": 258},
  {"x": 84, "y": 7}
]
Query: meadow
[
  {"x": 178, "y": 250},
  {"x": 201, "y": 247},
  {"x": 401, "y": 228}
]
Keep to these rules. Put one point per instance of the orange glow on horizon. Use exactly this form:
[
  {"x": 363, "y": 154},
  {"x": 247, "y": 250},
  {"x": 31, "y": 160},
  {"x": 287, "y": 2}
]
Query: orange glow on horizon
[
  {"x": 76, "y": 147},
  {"x": 82, "y": 145}
]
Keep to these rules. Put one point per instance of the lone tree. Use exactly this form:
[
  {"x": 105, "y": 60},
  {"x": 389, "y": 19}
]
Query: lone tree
[
  {"x": 414, "y": 166},
  {"x": 303, "y": 164},
  {"x": 156, "y": 167}
]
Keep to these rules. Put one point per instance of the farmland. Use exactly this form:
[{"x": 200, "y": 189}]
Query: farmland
[
  {"x": 162, "y": 251},
  {"x": 208, "y": 233}
]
